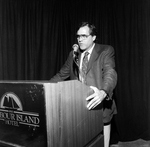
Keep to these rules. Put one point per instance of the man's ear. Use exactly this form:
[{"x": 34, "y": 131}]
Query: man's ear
[{"x": 94, "y": 38}]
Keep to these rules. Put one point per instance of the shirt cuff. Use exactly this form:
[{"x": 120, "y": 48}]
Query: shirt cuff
[{"x": 107, "y": 95}]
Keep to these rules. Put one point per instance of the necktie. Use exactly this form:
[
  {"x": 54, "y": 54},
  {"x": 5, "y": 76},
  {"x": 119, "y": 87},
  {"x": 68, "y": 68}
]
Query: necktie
[{"x": 84, "y": 66}]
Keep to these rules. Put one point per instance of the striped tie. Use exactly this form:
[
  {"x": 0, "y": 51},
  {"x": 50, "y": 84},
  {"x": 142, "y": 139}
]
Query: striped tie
[{"x": 84, "y": 66}]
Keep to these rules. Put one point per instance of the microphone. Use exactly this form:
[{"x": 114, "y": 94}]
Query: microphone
[{"x": 75, "y": 50}]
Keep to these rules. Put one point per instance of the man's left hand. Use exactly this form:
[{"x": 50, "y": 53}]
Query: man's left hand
[{"x": 96, "y": 98}]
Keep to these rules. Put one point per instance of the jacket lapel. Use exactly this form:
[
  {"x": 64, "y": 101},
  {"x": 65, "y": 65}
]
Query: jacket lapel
[{"x": 93, "y": 57}]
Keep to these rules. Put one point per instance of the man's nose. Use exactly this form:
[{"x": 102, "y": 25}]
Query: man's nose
[{"x": 80, "y": 39}]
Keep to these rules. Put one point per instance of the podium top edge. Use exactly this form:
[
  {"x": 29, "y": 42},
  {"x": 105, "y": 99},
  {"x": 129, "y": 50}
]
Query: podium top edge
[
  {"x": 32, "y": 81},
  {"x": 23, "y": 81}
]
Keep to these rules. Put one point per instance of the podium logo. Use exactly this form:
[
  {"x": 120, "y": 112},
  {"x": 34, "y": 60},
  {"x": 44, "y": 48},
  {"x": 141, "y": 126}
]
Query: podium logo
[
  {"x": 10, "y": 101},
  {"x": 11, "y": 112}
]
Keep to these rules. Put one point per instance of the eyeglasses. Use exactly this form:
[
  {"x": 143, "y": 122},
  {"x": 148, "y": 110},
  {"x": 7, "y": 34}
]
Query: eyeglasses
[{"x": 83, "y": 36}]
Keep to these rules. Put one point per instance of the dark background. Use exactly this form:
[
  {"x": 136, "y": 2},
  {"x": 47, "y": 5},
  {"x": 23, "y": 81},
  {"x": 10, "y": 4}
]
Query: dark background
[{"x": 36, "y": 37}]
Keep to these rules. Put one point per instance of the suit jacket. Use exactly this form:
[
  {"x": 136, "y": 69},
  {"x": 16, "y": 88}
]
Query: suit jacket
[{"x": 100, "y": 73}]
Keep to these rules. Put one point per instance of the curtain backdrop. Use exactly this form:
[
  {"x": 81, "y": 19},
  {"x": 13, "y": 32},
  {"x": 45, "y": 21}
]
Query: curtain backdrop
[{"x": 36, "y": 37}]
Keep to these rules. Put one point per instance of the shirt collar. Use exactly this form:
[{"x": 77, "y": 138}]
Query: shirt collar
[{"x": 90, "y": 50}]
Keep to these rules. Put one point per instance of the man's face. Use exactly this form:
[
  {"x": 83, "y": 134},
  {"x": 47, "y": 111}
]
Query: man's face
[{"x": 85, "y": 40}]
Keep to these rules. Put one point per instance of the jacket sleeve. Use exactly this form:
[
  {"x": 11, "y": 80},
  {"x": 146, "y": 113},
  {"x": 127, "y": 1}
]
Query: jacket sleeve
[
  {"x": 64, "y": 72},
  {"x": 109, "y": 73}
]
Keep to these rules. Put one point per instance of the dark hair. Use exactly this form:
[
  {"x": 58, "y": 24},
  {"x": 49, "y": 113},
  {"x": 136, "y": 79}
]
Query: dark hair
[{"x": 91, "y": 27}]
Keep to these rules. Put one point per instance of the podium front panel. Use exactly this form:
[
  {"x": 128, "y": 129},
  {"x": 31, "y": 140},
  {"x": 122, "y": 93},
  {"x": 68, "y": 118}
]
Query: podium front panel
[{"x": 22, "y": 115}]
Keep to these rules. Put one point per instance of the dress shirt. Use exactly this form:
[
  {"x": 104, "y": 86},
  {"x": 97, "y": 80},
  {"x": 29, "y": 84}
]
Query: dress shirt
[{"x": 81, "y": 60}]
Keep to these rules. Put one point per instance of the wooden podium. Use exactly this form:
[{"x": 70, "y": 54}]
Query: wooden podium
[{"x": 43, "y": 114}]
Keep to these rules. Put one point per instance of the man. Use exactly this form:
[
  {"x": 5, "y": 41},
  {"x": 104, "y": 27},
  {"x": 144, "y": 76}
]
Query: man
[{"x": 99, "y": 74}]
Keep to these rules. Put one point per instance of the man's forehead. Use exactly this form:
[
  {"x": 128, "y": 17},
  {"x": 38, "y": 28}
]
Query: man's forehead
[{"x": 83, "y": 30}]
